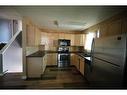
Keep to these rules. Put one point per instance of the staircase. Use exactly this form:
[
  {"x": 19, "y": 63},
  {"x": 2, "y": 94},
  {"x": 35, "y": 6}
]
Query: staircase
[{"x": 7, "y": 54}]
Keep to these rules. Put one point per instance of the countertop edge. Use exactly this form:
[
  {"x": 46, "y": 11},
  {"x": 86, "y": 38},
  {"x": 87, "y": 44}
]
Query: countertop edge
[{"x": 42, "y": 53}]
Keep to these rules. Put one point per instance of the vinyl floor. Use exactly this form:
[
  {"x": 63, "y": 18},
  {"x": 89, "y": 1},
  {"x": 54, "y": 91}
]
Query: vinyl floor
[{"x": 53, "y": 78}]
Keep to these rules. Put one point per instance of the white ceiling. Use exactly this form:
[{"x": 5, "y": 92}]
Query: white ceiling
[{"x": 70, "y": 18}]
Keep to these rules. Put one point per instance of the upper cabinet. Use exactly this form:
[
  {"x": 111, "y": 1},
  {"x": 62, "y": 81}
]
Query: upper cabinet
[
  {"x": 67, "y": 36},
  {"x": 103, "y": 30},
  {"x": 124, "y": 25},
  {"x": 35, "y": 37},
  {"x": 72, "y": 39},
  {"x": 111, "y": 28},
  {"x": 32, "y": 35},
  {"x": 51, "y": 39},
  {"x": 114, "y": 27},
  {"x": 79, "y": 39}
]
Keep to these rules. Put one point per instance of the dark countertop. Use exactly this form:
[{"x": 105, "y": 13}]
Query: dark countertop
[
  {"x": 47, "y": 51},
  {"x": 42, "y": 53},
  {"x": 37, "y": 54}
]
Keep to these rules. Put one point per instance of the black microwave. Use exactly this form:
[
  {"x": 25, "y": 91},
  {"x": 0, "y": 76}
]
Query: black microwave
[{"x": 63, "y": 42}]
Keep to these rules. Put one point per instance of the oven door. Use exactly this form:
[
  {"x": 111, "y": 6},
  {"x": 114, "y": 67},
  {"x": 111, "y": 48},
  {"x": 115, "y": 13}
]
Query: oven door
[{"x": 63, "y": 59}]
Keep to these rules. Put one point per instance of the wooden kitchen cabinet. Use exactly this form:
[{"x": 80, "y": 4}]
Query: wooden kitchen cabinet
[
  {"x": 75, "y": 60},
  {"x": 51, "y": 59},
  {"x": 124, "y": 25},
  {"x": 82, "y": 64},
  {"x": 72, "y": 39},
  {"x": 67, "y": 36},
  {"x": 109, "y": 28},
  {"x": 51, "y": 39},
  {"x": 82, "y": 40},
  {"x": 33, "y": 35},
  {"x": 79, "y": 39},
  {"x": 78, "y": 62},
  {"x": 30, "y": 35},
  {"x": 115, "y": 27},
  {"x": 34, "y": 67},
  {"x": 103, "y": 30},
  {"x": 61, "y": 36},
  {"x": 37, "y": 36},
  {"x": 72, "y": 59}
]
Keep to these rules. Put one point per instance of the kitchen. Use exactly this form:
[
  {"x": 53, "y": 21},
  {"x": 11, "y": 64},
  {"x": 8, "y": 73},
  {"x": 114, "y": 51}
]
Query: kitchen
[{"x": 60, "y": 39}]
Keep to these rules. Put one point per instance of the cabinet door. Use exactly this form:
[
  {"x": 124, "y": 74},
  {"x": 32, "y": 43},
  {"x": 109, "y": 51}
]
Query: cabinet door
[
  {"x": 67, "y": 36},
  {"x": 61, "y": 36},
  {"x": 30, "y": 35},
  {"x": 34, "y": 67},
  {"x": 76, "y": 58},
  {"x": 51, "y": 59},
  {"x": 37, "y": 36},
  {"x": 114, "y": 27},
  {"x": 124, "y": 25},
  {"x": 82, "y": 39},
  {"x": 72, "y": 39},
  {"x": 79, "y": 39},
  {"x": 82, "y": 65},
  {"x": 72, "y": 59},
  {"x": 103, "y": 30}
]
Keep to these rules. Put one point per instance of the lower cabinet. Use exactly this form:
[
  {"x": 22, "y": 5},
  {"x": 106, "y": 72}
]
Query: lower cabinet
[
  {"x": 72, "y": 59},
  {"x": 78, "y": 62},
  {"x": 82, "y": 65},
  {"x": 34, "y": 67},
  {"x": 75, "y": 60},
  {"x": 51, "y": 59}
]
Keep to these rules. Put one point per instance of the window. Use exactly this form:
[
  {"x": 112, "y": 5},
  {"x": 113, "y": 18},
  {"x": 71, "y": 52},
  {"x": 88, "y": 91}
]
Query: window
[
  {"x": 5, "y": 30},
  {"x": 89, "y": 38},
  {"x": 98, "y": 33}
]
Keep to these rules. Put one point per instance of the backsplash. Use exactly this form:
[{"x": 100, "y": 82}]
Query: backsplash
[{"x": 30, "y": 50}]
